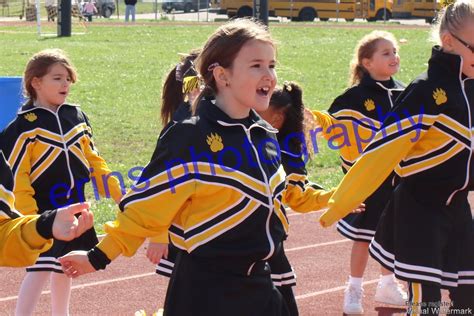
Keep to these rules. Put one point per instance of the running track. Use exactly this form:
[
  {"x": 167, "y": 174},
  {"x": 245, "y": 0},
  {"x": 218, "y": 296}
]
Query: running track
[{"x": 319, "y": 256}]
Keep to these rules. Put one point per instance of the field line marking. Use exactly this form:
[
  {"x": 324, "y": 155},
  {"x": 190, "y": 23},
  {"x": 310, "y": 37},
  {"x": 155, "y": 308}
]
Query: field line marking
[
  {"x": 80, "y": 286},
  {"x": 317, "y": 245},
  {"x": 334, "y": 289}
]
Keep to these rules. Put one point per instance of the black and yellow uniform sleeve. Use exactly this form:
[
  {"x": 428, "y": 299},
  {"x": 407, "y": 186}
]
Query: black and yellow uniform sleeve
[
  {"x": 326, "y": 121},
  {"x": 302, "y": 197},
  {"x": 150, "y": 206},
  {"x": 21, "y": 166},
  {"x": 17, "y": 148},
  {"x": 107, "y": 185},
  {"x": 346, "y": 130},
  {"x": 409, "y": 121},
  {"x": 300, "y": 194},
  {"x": 20, "y": 241}
]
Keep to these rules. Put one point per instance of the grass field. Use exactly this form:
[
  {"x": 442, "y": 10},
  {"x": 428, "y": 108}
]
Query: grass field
[{"x": 121, "y": 71}]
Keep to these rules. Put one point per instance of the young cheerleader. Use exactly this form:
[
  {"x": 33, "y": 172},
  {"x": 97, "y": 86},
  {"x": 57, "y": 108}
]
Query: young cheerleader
[
  {"x": 23, "y": 238},
  {"x": 360, "y": 111},
  {"x": 49, "y": 146},
  {"x": 286, "y": 113},
  {"x": 220, "y": 187},
  {"x": 425, "y": 233},
  {"x": 179, "y": 91}
]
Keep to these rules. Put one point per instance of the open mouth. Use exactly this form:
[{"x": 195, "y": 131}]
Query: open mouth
[{"x": 263, "y": 91}]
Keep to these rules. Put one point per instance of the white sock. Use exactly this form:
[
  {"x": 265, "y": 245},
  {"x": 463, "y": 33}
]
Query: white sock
[
  {"x": 386, "y": 279},
  {"x": 60, "y": 294},
  {"x": 30, "y": 292},
  {"x": 356, "y": 282}
]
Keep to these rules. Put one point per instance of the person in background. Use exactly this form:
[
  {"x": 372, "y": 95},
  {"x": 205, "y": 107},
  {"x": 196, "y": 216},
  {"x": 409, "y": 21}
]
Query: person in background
[
  {"x": 130, "y": 9},
  {"x": 360, "y": 110},
  {"x": 89, "y": 10},
  {"x": 50, "y": 148}
]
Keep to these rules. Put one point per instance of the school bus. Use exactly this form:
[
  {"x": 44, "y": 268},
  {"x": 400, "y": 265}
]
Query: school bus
[
  {"x": 308, "y": 10},
  {"x": 416, "y": 9}
]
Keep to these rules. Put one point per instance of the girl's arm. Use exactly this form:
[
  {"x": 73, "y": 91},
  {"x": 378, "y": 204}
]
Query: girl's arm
[
  {"x": 16, "y": 146},
  {"x": 324, "y": 121},
  {"x": 408, "y": 122},
  {"x": 302, "y": 196},
  {"x": 147, "y": 210},
  {"x": 107, "y": 184}
]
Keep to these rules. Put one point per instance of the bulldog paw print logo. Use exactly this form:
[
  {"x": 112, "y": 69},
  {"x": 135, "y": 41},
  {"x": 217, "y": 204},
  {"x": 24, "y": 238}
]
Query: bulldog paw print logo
[
  {"x": 215, "y": 142},
  {"x": 369, "y": 104},
  {"x": 30, "y": 117},
  {"x": 439, "y": 95}
]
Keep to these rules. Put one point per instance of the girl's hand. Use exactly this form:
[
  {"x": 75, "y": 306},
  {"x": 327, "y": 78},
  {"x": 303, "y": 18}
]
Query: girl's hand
[
  {"x": 155, "y": 251},
  {"x": 76, "y": 263},
  {"x": 67, "y": 227},
  {"x": 359, "y": 209}
]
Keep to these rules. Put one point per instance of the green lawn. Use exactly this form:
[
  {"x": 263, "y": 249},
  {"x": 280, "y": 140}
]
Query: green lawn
[{"x": 121, "y": 71}]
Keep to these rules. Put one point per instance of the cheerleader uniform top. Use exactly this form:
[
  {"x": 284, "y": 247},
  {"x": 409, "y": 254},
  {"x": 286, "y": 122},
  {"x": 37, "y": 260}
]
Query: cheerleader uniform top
[
  {"x": 214, "y": 183},
  {"x": 356, "y": 115},
  {"x": 52, "y": 156}
]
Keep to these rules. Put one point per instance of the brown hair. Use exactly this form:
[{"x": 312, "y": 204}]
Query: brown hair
[
  {"x": 172, "y": 95},
  {"x": 40, "y": 64},
  {"x": 453, "y": 18},
  {"x": 366, "y": 48},
  {"x": 222, "y": 48}
]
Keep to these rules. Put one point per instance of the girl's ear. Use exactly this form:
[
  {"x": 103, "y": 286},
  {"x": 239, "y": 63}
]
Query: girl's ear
[
  {"x": 447, "y": 41},
  {"x": 36, "y": 83},
  {"x": 220, "y": 76},
  {"x": 366, "y": 63}
]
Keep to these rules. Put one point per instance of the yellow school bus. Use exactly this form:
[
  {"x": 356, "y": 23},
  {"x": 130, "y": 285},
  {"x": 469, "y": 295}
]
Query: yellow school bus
[
  {"x": 416, "y": 9},
  {"x": 308, "y": 10}
]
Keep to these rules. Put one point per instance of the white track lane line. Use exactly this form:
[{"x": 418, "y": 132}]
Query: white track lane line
[
  {"x": 334, "y": 289},
  {"x": 317, "y": 245},
  {"x": 80, "y": 286}
]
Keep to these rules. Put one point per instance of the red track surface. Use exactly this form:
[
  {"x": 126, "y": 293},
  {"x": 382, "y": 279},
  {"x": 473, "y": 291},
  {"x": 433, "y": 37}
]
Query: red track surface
[{"x": 319, "y": 256}]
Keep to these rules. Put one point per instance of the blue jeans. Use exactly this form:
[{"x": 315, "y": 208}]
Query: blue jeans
[{"x": 129, "y": 9}]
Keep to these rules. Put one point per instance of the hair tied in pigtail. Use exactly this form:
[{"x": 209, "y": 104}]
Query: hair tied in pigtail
[
  {"x": 287, "y": 86},
  {"x": 212, "y": 66},
  {"x": 179, "y": 72}
]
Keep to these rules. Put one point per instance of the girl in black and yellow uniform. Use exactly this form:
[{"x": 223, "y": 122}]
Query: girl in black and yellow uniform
[
  {"x": 286, "y": 113},
  {"x": 218, "y": 179},
  {"x": 424, "y": 233},
  {"x": 23, "y": 238},
  {"x": 49, "y": 147},
  {"x": 355, "y": 117},
  {"x": 181, "y": 87}
]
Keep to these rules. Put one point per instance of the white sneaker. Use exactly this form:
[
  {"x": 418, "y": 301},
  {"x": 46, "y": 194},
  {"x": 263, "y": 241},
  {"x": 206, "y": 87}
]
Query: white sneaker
[
  {"x": 353, "y": 300},
  {"x": 391, "y": 293}
]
